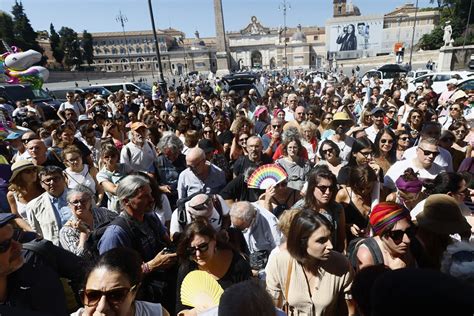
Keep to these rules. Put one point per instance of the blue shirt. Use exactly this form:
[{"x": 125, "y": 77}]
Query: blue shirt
[{"x": 61, "y": 208}]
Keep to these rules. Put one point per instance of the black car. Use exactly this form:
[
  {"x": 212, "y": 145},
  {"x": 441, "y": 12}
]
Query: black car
[
  {"x": 241, "y": 83},
  {"x": 18, "y": 92}
]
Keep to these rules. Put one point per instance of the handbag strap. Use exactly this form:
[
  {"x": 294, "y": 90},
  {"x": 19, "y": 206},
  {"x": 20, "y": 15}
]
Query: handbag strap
[{"x": 288, "y": 278}]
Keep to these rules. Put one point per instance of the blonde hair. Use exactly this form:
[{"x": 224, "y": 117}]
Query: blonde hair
[{"x": 285, "y": 220}]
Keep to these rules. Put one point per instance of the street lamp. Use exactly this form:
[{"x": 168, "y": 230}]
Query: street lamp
[
  {"x": 122, "y": 19},
  {"x": 284, "y": 6},
  {"x": 413, "y": 34},
  {"x": 162, "y": 81}
]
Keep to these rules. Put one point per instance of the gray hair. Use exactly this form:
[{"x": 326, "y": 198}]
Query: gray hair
[
  {"x": 243, "y": 210},
  {"x": 291, "y": 132},
  {"x": 308, "y": 125},
  {"x": 128, "y": 186},
  {"x": 80, "y": 189},
  {"x": 171, "y": 141}
]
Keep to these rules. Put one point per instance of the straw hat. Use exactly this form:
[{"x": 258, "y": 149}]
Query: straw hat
[
  {"x": 19, "y": 166},
  {"x": 338, "y": 118},
  {"x": 442, "y": 215}
]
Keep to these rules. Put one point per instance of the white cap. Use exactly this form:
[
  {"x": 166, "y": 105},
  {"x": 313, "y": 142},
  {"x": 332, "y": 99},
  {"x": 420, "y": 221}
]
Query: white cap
[{"x": 452, "y": 81}]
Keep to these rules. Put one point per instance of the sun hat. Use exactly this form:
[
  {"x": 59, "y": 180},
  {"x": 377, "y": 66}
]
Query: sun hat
[
  {"x": 200, "y": 206},
  {"x": 137, "y": 125},
  {"x": 441, "y": 214},
  {"x": 19, "y": 166},
  {"x": 338, "y": 118},
  {"x": 386, "y": 214},
  {"x": 260, "y": 110},
  {"x": 13, "y": 136}
]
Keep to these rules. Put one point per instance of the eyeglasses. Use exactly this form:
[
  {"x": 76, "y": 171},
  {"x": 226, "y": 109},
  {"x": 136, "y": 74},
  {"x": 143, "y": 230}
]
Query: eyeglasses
[
  {"x": 329, "y": 118},
  {"x": 276, "y": 126},
  {"x": 385, "y": 141},
  {"x": 243, "y": 139},
  {"x": 162, "y": 126},
  {"x": 404, "y": 138},
  {"x": 25, "y": 141},
  {"x": 366, "y": 154},
  {"x": 69, "y": 96},
  {"x": 81, "y": 201},
  {"x": 326, "y": 151},
  {"x": 52, "y": 179},
  {"x": 429, "y": 152},
  {"x": 74, "y": 159},
  {"x": 202, "y": 248},
  {"x": 391, "y": 112},
  {"x": 6, "y": 244},
  {"x": 324, "y": 188},
  {"x": 208, "y": 132},
  {"x": 455, "y": 109},
  {"x": 460, "y": 131},
  {"x": 397, "y": 235},
  {"x": 114, "y": 297}
]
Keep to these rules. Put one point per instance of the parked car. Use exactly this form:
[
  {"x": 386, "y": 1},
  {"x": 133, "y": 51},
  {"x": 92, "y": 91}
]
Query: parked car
[
  {"x": 241, "y": 83},
  {"x": 417, "y": 73},
  {"x": 471, "y": 62},
  {"x": 466, "y": 85},
  {"x": 439, "y": 79},
  {"x": 386, "y": 73},
  {"x": 60, "y": 94},
  {"x": 127, "y": 87},
  {"x": 19, "y": 92}
]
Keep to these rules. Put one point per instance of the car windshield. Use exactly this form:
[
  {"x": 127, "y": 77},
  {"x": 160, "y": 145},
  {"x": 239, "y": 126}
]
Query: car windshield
[{"x": 143, "y": 86}]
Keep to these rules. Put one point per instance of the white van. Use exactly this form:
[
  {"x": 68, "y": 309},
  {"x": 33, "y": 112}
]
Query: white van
[{"x": 127, "y": 87}]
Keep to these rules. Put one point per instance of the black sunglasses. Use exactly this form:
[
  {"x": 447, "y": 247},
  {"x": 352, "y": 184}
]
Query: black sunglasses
[
  {"x": 397, "y": 235},
  {"x": 27, "y": 140},
  {"x": 404, "y": 138},
  {"x": 202, "y": 248},
  {"x": 429, "y": 152},
  {"x": 6, "y": 244},
  {"x": 327, "y": 151},
  {"x": 324, "y": 188},
  {"x": 114, "y": 297}
]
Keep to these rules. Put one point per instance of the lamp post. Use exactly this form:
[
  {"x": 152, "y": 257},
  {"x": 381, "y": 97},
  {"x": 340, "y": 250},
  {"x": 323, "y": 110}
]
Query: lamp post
[
  {"x": 122, "y": 19},
  {"x": 162, "y": 81},
  {"x": 284, "y": 6},
  {"x": 467, "y": 26},
  {"x": 413, "y": 34}
]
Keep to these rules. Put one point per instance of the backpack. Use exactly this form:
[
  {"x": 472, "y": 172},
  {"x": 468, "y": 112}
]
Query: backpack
[
  {"x": 370, "y": 243},
  {"x": 183, "y": 215},
  {"x": 92, "y": 243}
]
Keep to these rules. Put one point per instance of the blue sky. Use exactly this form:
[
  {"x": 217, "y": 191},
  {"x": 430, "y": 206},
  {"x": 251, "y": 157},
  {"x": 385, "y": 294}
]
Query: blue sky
[{"x": 184, "y": 15}]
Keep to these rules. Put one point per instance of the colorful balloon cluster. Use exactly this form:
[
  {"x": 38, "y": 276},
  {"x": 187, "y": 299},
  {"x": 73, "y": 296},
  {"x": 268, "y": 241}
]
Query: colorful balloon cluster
[{"x": 16, "y": 66}]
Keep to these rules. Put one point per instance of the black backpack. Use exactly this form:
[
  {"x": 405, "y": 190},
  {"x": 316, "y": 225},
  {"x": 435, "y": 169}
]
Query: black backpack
[{"x": 370, "y": 243}]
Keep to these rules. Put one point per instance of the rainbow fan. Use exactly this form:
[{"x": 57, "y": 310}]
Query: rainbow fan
[
  {"x": 200, "y": 289},
  {"x": 265, "y": 176}
]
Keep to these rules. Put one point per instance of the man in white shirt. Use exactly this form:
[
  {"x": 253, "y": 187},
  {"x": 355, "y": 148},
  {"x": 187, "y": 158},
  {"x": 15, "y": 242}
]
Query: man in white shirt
[
  {"x": 70, "y": 104},
  {"x": 444, "y": 159},
  {"x": 423, "y": 163},
  {"x": 291, "y": 107},
  {"x": 378, "y": 114},
  {"x": 139, "y": 153}
]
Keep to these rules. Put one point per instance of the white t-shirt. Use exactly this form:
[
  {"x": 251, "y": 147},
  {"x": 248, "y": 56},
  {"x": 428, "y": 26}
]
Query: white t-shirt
[
  {"x": 403, "y": 112},
  {"x": 164, "y": 214},
  {"x": 139, "y": 158},
  {"x": 444, "y": 158},
  {"x": 215, "y": 219},
  {"x": 397, "y": 169},
  {"x": 76, "y": 106}
]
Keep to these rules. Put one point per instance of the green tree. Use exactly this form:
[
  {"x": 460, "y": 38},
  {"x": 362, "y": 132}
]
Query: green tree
[
  {"x": 6, "y": 28},
  {"x": 455, "y": 11},
  {"x": 69, "y": 44},
  {"x": 87, "y": 47},
  {"x": 24, "y": 35},
  {"x": 54, "y": 41}
]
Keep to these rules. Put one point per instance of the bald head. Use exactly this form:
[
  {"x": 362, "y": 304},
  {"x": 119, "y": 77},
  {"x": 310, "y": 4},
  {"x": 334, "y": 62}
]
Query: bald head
[
  {"x": 195, "y": 153},
  {"x": 37, "y": 150},
  {"x": 196, "y": 161}
]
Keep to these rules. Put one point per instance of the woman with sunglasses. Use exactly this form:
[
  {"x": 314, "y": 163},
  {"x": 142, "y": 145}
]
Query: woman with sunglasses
[
  {"x": 392, "y": 233},
  {"x": 329, "y": 153},
  {"x": 309, "y": 275},
  {"x": 209, "y": 134},
  {"x": 112, "y": 284},
  {"x": 414, "y": 124},
  {"x": 325, "y": 120},
  {"x": 357, "y": 198},
  {"x": 385, "y": 149},
  {"x": 24, "y": 187},
  {"x": 320, "y": 198},
  {"x": 200, "y": 248},
  {"x": 460, "y": 130},
  {"x": 403, "y": 143}
]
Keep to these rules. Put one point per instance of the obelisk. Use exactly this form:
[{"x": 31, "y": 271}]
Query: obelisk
[{"x": 222, "y": 55}]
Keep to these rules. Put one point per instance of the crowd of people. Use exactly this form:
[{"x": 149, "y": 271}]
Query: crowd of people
[{"x": 108, "y": 209}]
